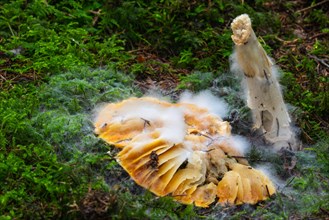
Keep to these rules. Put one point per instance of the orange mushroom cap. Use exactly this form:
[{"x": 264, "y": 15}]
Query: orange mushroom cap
[{"x": 180, "y": 150}]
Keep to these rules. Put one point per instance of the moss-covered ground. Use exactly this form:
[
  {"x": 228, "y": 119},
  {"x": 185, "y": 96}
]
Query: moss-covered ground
[{"x": 59, "y": 60}]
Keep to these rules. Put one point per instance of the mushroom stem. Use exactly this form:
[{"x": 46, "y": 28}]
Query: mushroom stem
[{"x": 263, "y": 91}]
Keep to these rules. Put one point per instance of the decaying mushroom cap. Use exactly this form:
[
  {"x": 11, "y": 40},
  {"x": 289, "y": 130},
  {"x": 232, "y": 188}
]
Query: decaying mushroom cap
[{"x": 180, "y": 150}]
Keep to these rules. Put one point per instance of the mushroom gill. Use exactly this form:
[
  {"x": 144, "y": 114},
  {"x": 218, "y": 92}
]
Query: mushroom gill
[{"x": 180, "y": 150}]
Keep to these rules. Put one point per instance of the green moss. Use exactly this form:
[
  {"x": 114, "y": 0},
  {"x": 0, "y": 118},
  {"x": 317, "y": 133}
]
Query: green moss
[
  {"x": 51, "y": 164},
  {"x": 49, "y": 155}
]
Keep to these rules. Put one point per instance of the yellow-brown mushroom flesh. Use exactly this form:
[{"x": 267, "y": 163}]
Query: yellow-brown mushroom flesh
[{"x": 180, "y": 150}]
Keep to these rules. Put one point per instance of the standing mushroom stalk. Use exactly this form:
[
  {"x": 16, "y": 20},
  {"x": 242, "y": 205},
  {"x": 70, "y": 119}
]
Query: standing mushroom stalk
[{"x": 264, "y": 96}]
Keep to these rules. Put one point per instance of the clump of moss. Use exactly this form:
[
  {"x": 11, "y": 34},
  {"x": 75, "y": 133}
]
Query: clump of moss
[
  {"x": 67, "y": 102},
  {"x": 49, "y": 155}
]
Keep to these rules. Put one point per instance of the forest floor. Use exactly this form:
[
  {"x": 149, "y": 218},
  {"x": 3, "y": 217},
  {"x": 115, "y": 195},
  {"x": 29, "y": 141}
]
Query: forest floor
[{"x": 60, "y": 60}]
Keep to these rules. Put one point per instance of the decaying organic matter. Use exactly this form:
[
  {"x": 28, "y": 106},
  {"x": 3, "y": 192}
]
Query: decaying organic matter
[
  {"x": 181, "y": 150},
  {"x": 264, "y": 96}
]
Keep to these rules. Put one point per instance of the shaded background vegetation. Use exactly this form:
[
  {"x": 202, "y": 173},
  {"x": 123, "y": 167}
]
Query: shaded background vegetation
[{"x": 60, "y": 59}]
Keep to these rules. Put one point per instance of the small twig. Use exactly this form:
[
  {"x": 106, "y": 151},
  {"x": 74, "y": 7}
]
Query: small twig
[
  {"x": 98, "y": 12},
  {"x": 268, "y": 192},
  {"x": 285, "y": 42},
  {"x": 319, "y": 60},
  {"x": 146, "y": 122},
  {"x": 312, "y": 6},
  {"x": 318, "y": 35},
  {"x": 102, "y": 201},
  {"x": 309, "y": 137},
  {"x": 3, "y": 77},
  {"x": 325, "y": 211}
]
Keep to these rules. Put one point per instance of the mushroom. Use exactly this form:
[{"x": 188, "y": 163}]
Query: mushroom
[
  {"x": 181, "y": 150},
  {"x": 263, "y": 91},
  {"x": 243, "y": 184}
]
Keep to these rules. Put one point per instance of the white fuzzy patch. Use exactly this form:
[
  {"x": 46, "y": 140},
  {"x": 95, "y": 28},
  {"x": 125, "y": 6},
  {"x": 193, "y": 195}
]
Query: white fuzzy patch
[
  {"x": 240, "y": 143},
  {"x": 207, "y": 100}
]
